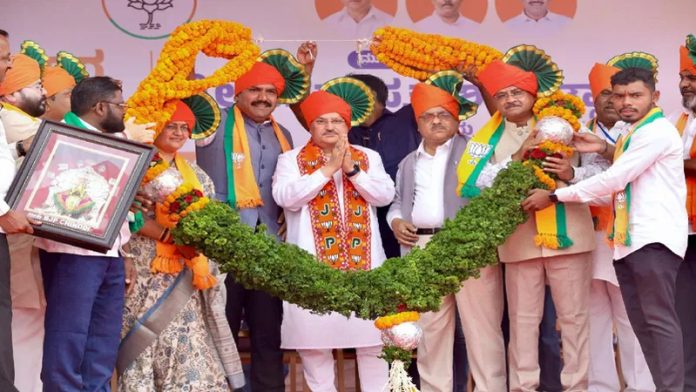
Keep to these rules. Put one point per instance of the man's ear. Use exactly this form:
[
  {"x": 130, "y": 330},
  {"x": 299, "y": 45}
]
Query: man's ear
[{"x": 655, "y": 97}]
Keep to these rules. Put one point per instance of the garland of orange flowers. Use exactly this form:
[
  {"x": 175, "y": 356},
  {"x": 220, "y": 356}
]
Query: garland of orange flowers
[
  {"x": 168, "y": 80},
  {"x": 386, "y": 322},
  {"x": 176, "y": 211},
  {"x": 157, "y": 167},
  {"x": 563, "y": 105},
  {"x": 419, "y": 55}
]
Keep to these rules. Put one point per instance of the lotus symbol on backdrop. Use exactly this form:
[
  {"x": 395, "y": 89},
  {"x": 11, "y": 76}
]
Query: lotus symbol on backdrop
[{"x": 150, "y": 6}]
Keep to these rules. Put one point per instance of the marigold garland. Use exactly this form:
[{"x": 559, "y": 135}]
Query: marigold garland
[
  {"x": 157, "y": 167},
  {"x": 419, "y": 55},
  {"x": 183, "y": 201},
  {"x": 386, "y": 322},
  {"x": 563, "y": 105},
  {"x": 169, "y": 78}
]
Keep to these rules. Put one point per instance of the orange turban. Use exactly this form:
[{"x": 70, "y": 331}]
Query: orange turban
[
  {"x": 260, "y": 73},
  {"x": 55, "y": 80},
  {"x": 183, "y": 113},
  {"x": 686, "y": 63},
  {"x": 426, "y": 96},
  {"x": 25, "y": 71},
  {"x": 320, "y": 102},
  {"x": 499, "y": 75},
  {"x": 600, "y": 78}
]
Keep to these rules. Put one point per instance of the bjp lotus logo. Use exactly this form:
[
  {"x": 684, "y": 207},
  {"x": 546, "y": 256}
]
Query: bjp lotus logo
[{"x": 149, "y": 19}]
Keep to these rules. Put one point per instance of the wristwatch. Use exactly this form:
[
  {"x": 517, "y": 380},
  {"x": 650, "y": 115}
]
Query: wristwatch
[
  {"x": 356, "y": 170},
  {"x": 19, "y": 146},
  {"x": 553, "y": 197}
]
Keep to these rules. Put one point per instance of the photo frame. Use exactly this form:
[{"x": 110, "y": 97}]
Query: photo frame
[{"x": 79, "y": 183}]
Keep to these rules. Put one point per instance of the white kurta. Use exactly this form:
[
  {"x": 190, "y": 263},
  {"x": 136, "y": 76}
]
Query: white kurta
[{"x": 293, "y": 191}]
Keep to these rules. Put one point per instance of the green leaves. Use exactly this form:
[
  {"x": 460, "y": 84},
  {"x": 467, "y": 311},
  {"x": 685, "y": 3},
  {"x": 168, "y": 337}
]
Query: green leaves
[{"x": 419, "y": 280}]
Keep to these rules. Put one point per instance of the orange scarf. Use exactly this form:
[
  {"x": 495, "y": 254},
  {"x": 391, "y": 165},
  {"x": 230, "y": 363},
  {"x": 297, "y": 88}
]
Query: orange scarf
[
  {"x": 342, "y": 240},
  {"x": 690, "y": 180},
  {"x": 167, "y": 259}
]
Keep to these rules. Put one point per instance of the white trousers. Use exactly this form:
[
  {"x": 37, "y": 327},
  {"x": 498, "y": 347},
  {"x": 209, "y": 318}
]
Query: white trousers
[
  {"x": 318, "y": 366},
  {"x": 606, "y": 309}
]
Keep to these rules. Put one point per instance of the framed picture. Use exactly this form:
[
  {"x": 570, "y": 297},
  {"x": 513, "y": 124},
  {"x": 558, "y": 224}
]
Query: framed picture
[{"x": 79, "y": 183}]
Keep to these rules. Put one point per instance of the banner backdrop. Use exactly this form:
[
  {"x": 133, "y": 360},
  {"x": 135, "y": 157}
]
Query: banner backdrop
[{"x": 122, "y": 38}]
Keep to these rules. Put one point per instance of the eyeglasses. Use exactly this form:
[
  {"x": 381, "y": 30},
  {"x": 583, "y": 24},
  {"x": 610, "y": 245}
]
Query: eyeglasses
[
  {"x": 442, "y": 116},
  {"x": 122, "y": 105},
  {"x": 336, "y": 122},
  {"x": 514, "y": 94}
]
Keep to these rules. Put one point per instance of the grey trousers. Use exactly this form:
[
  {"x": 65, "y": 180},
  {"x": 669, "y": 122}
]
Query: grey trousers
[
  {"x": 6, "y": 359},
  {"x": 647, "y": 278}
]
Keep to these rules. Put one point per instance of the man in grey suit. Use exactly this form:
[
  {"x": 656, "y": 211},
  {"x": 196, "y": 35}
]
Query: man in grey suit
[
  {"x": 425, "y": 196},
  {"x": 240, "y": 158}
]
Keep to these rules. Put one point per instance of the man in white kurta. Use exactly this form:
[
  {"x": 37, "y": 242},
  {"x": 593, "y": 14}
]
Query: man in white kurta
[
  {"x": 447, "y": 20},
  {"x": 358, "y": 19},
  {"x": 536, "y": 18},
  {"x": 337, "y": 165},
  {"x": 684, "y": 121}
]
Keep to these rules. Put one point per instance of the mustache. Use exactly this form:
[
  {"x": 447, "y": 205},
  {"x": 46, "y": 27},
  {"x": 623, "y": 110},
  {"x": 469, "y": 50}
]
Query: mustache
[
  {"x": 687, "y": 90},
  {"x": 512, "y": 105},
  {"x": 261, "y": 103}
]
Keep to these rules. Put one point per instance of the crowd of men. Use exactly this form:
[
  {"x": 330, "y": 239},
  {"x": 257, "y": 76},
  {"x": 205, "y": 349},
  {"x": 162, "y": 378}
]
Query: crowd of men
[{"x": 400, "y": 169}]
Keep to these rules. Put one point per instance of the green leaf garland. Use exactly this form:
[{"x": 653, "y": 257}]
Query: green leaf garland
[{"x": 416, "y": 282}]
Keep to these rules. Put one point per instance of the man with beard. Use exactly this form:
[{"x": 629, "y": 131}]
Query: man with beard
[
  {"x": 505, "y": 138},
  {"x": 85, "y": 289},
  {"x": 607, "y": 307},
  {"x": 649, "y": 229},
  {"x": 10, "y": 222},
  {"x": 447, "y": 19},
  {"x": 240, "y": 158},
  {"x": 536, "y": 17},
  {"x": 686, "y": 278}
]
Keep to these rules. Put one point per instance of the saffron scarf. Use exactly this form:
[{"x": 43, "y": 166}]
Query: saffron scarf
[
  {"x": 618, "y": 231},
  {"x": 690, "y": 180},
  {"x": 167, "y": 259},
  {"x": 550, "y": 222},
  {"x": 242, "y": 189},
  {"x": 342, "y": 239}
]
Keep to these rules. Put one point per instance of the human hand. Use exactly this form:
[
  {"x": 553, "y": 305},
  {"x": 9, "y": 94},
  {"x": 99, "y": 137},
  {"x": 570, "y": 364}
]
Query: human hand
[
  {"x": 561, "y": 167},
  {"x": 589, "y": 142},
  {"x": 307, "y": 55},
  {"x": 538, "y": 199},
  {"x": 17, "y": 222},
  {"x": 404, "y": 232},
  {"x": 141, "y": 133},
  {"x": 528, "y": 144},
  {"x": 130, "y": 273}
]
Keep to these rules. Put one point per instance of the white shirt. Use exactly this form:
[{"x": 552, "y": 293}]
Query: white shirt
[
  {"x": 293, "y": 191},
  {"x": 344, "y": 23},
  {"x": 653, "y": 164},
  {"x": 549, "y": 22},
  {"x": 688, "y": 133},
  {"x": 434, "y": 24},
  {"x": 593, "y": 163},
  {"x": 59, "y": 247},
  {"x": 428, "y": 206},
  {"x": 7, "y": 168}
]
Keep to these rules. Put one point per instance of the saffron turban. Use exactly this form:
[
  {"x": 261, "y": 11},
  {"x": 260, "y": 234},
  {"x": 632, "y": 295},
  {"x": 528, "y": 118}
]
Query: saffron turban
[
  {"x": 260, "y": 73},
  {"x": 499, "y": 75},
  {"x": 185, "y": 114},
  {"x": 686, "y": 62},
  {"x": 25, "y": 71},
  {"x": 55, "y": 80},
  {"x": 426, "y": 96},
  {"x": 320, "y": 102},
  {"x": 600, "y": 78}
]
